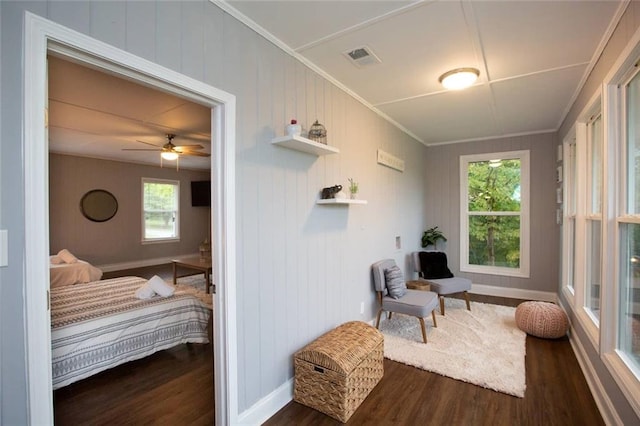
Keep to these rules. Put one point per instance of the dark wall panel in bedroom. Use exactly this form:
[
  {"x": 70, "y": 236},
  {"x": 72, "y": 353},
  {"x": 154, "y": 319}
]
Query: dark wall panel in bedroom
[{"x": 119, "y": 239}]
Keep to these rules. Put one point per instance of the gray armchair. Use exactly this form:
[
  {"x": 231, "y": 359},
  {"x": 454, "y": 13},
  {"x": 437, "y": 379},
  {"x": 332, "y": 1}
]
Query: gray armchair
[
  {"x": 432, "y": 267},
  {"x": 416, "y": 303}
]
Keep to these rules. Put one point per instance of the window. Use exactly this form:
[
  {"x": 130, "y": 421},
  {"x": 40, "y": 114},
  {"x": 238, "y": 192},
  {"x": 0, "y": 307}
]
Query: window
[
  {"x": 570, "y": 208},
  {"x": 494, "y": 211},
  {"x": 594, "y": 218},
  {"x": 629, "y": 231},
  {"x": 160, "y": 210}
]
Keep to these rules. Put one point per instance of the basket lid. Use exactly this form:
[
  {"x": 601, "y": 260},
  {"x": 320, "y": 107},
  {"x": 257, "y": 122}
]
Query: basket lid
[{"x": 343, "y": 348}]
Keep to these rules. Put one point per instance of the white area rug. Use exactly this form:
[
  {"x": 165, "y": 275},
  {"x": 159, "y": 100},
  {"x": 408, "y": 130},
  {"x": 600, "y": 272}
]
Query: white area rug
[{"x": 482, "y": 346}]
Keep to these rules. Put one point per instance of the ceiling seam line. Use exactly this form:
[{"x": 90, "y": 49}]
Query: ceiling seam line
[
  {"x": 364, "y": 24},
  {"x": 473, "y": 28}
]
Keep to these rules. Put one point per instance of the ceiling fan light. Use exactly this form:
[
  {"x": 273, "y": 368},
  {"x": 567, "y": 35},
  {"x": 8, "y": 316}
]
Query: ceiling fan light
[
  {"x": 167, "y": 155},
  {"x": 459, "y": 79}
]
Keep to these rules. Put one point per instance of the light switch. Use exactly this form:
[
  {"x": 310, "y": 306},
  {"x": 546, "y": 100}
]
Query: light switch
[
  {"x": 4, "y": 247},
  {"x": 398, "y": 243}
]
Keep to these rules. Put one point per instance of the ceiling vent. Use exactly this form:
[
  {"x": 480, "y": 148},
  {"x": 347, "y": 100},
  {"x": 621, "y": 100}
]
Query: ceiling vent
[{"x": 362, "y": 56}]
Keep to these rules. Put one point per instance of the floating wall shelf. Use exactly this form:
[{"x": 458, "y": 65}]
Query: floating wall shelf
[
  {"x": 341, "y": 201},
  {"x": 304, "y": 145}
]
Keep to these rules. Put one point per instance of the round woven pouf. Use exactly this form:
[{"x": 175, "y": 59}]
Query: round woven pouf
[{"x": 542, "y": 319}]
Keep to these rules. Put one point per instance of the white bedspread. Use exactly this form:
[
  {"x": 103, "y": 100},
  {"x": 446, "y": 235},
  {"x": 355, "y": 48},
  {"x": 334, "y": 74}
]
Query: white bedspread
[
  {"x": 100, "y": 325},
  {"x": 73, "y": 273}
]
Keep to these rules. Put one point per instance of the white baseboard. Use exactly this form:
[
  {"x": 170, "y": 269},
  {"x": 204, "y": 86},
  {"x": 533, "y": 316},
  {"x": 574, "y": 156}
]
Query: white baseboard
[
  {"x": 515, "y": 293},
  {"x": 606, "y": 407},
  {"x": 141, "y": 263},
  {"x": 262, "y": 410}
]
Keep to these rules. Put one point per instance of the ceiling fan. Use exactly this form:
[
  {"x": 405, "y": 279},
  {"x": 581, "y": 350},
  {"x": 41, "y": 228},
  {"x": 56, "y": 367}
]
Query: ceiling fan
[{"x": 171, "y": 152}]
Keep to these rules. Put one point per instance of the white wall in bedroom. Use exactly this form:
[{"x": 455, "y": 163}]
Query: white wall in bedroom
[{"x": 118, "y": 240}]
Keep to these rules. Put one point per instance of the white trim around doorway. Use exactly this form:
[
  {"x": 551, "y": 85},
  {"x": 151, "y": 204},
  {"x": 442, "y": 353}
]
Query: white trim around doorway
[{"x": 40, "y": 37}]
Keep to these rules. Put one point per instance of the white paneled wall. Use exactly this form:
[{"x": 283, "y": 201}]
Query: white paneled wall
[{"x": 301, "y": 268}]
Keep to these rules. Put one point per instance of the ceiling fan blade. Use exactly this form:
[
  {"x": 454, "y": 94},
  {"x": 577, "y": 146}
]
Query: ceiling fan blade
[
  {"x": 142, "y": 149},
  {"x": 197, "y": 154},
  {"x": 148, "y": 143},
  {"x": 189, "y": 146}
]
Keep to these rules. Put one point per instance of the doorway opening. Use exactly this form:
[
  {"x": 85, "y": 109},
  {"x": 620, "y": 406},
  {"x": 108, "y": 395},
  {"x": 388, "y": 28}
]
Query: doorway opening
[{"x": 43, "y": 37}]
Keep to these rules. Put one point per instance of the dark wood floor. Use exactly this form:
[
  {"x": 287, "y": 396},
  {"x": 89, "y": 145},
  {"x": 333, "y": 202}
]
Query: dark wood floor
[
  {"x": 557, "y": 394},
  {"x": 175, "y": 387}
]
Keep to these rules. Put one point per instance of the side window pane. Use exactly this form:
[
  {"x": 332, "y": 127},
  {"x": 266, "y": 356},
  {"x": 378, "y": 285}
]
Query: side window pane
[
  {"x": 596, "y": 165},
  {"x": 629, "y": 313},
  {"x": 633, "y": 145},
  {"x": 594, "y": 267}
]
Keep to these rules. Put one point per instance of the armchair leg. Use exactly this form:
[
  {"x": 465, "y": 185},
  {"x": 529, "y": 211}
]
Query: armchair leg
[
  {"x": 424, "y": 330},
  {"x": 442, "y": 305},
  {"x": 466, "y": 297},
  {"x": 433, "y": 315},
  {"x": 378, "y": 320}
]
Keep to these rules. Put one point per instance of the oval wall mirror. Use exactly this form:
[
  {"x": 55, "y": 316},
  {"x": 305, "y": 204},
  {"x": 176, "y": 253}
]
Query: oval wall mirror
[{"x": 98, "y": 205}]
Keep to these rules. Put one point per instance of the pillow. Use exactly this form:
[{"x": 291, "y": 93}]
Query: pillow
[
  {"x": 159, "y": 286},
  {"x": 66, "y": 256},
  {"x": 55, "y": 260},
  {"x": 434, "y": 265},
  {"x": 395, "y": 282},
  {"x": 145, "y": 292}
]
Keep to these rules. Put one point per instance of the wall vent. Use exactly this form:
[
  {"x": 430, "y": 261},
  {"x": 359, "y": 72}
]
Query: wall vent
[{"x": 362, "y": 56}]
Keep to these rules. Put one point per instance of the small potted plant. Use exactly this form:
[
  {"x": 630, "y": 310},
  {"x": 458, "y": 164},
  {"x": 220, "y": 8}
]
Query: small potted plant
[
  {"x": 353, "y": 188},
  {"x": 431, "y": 236}
]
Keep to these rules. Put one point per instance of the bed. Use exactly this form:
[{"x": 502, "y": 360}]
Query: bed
[
  {"x": 99, "y": 325},
  {"x": 62, "y": 274}
]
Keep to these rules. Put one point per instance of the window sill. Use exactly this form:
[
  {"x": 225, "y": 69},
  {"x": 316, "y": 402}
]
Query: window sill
[
  {"x": 507, "y": 272},
  {"x": 161, "y": 241}
]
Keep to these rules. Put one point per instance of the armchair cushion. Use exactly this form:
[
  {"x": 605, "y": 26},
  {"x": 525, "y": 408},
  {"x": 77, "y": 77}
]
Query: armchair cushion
[
  {"x": 395, "y": 282},
  {"x": 433, "y": 264},
  {"x": 416, "y": 303}
]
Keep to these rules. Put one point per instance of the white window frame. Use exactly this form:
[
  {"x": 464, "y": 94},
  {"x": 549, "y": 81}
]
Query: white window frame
[
  {"x": 570, "y": 193},
  {"x": 614, "y": 115},
  {"x": 591, "y": 217},
  {"x": 523, "y": 270},
  {"x": 582, "y": 215},
  {"x": 176, "y": 238}
]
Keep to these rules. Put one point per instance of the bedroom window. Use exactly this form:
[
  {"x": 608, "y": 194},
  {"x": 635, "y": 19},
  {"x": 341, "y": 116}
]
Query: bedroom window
[
  {"x": 160, "y": 210},
  {"x": 495, "y": 213}
]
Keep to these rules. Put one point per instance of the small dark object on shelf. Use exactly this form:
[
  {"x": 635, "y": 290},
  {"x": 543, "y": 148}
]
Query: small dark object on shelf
[
  {"x": 330, "y": 192},
  {"x": 318, "y": 133}
]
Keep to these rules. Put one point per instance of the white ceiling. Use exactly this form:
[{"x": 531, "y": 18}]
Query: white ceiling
[
  {"x": 95, "y": 114},
  {"x": 533, "y": 57}
]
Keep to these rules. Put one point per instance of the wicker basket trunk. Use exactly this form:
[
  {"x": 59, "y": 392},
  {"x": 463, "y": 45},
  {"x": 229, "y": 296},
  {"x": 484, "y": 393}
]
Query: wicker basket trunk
[{"x": 336, "y": 372}]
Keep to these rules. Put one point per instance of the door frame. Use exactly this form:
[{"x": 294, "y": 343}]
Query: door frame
[{"x": 40, "y": 37}]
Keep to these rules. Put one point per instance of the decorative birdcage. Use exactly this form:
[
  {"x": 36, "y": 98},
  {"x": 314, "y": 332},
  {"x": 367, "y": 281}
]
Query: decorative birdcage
[{"x": 318, "y": 133}]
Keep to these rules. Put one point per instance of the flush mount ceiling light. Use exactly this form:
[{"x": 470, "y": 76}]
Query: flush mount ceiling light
[
  {"x": 459, "y": 79},
  {"x": 495, "y": 163}
]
